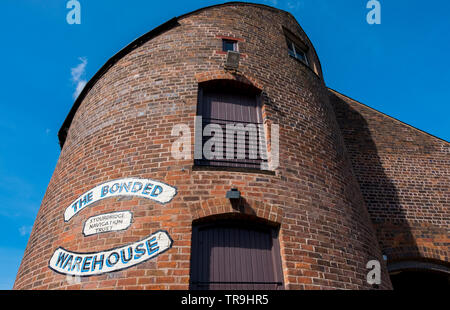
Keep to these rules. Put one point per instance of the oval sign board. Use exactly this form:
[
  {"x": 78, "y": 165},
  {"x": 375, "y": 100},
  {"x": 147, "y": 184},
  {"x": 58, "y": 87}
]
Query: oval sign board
[
  {"x": 90, "y": 264},
  {"x": 145, "y": 188},
  {"x": 114, "y": 221}
]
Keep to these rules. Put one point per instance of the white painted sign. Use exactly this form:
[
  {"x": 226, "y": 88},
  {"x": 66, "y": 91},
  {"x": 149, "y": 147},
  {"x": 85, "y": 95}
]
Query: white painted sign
[
  {"x": 114, "y": 221},
  {"x": 89, "y": 264},
  {"x": 145, "y": 188}
]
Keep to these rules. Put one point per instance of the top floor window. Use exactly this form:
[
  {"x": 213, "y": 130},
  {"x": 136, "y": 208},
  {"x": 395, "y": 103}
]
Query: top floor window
[
  {"x": 229, "y": 45},
  {"x": 296, "y": 51},
  {"x": 296, "y": 47}
]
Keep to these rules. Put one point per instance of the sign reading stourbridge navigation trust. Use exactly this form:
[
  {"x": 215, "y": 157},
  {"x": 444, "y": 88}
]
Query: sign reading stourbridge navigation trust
[
  {"x": 145, "y": 188},
  {"x": 114, "y": 221},
  {"x": 89, "y": 264}
]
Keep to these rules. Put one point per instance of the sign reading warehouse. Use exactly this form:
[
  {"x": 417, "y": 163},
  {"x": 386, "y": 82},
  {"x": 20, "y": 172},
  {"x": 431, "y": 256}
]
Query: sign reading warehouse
[
  {"x": 145, "y": 188},
  {"x": 89, "y": 264}
]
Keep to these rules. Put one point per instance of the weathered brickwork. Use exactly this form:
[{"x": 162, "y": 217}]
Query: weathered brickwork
[
  {"x": 123, "y": 126},
  {"x": 404, "y": 175}
]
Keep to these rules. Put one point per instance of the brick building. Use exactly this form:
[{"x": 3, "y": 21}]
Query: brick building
[{"x": 343, "y": 184}]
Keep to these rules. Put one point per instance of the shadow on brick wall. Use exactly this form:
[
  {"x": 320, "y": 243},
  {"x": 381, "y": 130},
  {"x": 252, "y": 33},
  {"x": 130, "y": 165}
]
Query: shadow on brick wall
[{"x": 381, "y": 196}]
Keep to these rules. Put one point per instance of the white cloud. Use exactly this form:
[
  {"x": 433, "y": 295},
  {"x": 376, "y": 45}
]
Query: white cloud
[
  {"x": 25, "y": 230},
  {"x": 290, "y": 5},
  {"x": 293, "y": 5},
  {"x": 79, "y": 88},
  {"x": 77, "y": 76},
  {"x": 271, "y": 2}
]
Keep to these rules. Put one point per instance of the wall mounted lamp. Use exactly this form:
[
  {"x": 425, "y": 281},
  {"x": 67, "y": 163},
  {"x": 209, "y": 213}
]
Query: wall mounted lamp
[{"x": 233, "y": 194}]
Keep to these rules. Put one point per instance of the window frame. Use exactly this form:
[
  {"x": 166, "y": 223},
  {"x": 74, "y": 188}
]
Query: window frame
[
  {"x": 298, "y": 47},
  {"x": 297, "y": 52},
  {"x": 233, "y": 42},
  {"x": 240, "y": 164}
]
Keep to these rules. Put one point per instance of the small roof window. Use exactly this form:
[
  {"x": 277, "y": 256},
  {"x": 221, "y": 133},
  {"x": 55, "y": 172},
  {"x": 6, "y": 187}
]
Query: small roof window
[
  {"x": 296, "y": 47},
  {"x": 296, "y": 52},
  {"x": 229, "y": 45}
]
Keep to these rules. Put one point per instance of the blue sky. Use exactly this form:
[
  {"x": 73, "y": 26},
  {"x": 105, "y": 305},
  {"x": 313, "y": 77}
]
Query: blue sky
[{"x": 400, "y": 67}]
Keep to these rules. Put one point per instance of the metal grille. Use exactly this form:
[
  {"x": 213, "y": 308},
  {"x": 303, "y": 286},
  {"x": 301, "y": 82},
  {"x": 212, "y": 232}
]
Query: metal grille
[{"x": 243, "y": 141}]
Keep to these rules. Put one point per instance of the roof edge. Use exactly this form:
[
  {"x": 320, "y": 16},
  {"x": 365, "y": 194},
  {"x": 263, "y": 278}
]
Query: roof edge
[{"x": 393, "y": 118}]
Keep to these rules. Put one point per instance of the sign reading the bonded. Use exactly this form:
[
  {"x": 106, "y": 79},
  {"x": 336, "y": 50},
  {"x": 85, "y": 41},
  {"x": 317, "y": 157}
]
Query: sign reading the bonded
[
  {"x": 89, "y": 264},
  {"x": 114, "y": 221},
  {"x": 145, "y": 188}
]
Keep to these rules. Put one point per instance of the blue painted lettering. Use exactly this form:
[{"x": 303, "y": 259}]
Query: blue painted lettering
[
  {"x": 61, "y": 258},
  {"x": 156, "y": 191},
  {"x": 134, "y": 189},
  {"x": 90, "y": 196},
  {"x": 74, "y": 206},
  {"x": 125, "y": 186},
  {"x": 147, "y": 189},
  {"x": 104, "y": 190},
  {"x": 86, "y": 264},
  {"x": 139, "y": 251},
  {"x": 130, "y": 255},
  {"x": 151, "y": 246},
  {"x": 68, "y": 262},
  {"x": 108, "y": 260},
  {"x": 98, "y": 262},
  {"x": 114, "y": 188},
  {"x": 77, "y": 263}
]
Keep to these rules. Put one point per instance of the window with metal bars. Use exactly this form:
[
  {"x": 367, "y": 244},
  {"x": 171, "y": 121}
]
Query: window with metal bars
[{"x": 232, "y": 126}]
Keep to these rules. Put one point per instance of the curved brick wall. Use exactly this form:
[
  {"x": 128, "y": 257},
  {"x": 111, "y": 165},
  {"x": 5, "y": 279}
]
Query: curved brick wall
[{"x": 123, "y": 129}]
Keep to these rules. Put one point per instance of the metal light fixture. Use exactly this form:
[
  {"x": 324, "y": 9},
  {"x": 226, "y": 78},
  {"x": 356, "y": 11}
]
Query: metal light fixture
[{"x": 233, "y": 194}]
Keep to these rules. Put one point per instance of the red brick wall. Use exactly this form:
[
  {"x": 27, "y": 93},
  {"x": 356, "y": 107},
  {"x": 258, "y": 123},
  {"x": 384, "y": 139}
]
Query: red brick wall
[
  {"x": 122, "y": 129},
  {"x": 405, "y": 179}
]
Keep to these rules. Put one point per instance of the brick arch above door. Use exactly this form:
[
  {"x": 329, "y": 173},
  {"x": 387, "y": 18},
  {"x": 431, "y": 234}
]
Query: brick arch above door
[
  {"x": 248, "y": 207},
  {"x": 225, "y": 75}
]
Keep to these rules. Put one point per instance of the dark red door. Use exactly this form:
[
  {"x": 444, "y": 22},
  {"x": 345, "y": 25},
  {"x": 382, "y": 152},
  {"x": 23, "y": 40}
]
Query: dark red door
[{"x": 235, "y": 255}]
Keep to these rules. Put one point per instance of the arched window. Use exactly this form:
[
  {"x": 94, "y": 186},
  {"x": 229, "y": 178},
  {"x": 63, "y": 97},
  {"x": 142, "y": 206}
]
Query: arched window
[
  {"x": 419, "y": 275},
  {"x": 232, "y": 132},
  {"x": 234, "y": 254}
]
